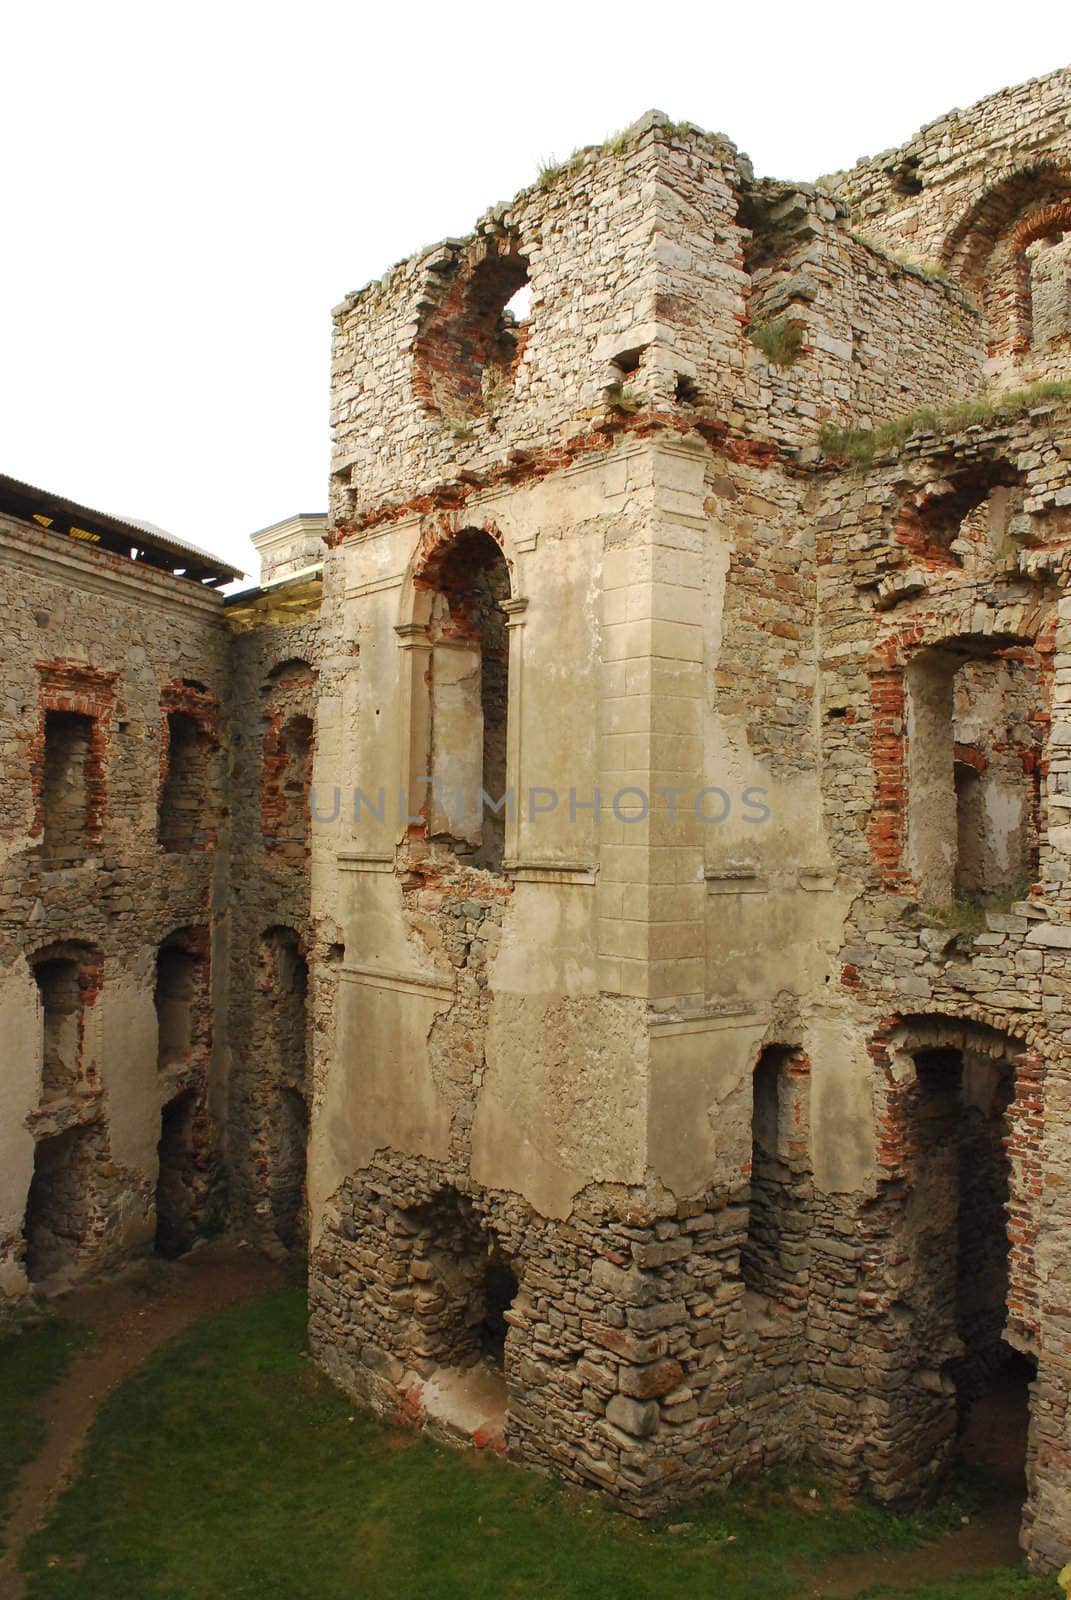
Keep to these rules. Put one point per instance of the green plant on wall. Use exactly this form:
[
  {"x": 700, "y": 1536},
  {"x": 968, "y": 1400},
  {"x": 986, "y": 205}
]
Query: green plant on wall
[{"x": 780, "y": 340}]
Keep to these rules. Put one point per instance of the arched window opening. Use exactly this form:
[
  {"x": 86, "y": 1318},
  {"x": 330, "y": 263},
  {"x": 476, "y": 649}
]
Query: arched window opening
[
  {"x": 65, "y": 1207},
  {"x": 65, "y": 790},
  {"x": 470, "y": 346},
  {"x": 469, "y": 691},
  {"x": 183, "y": 797},
  {"x": 974, "y": 757},
  {"x": 67, "y": 976},
  {"x": 182, "y": 1001},
  {"x": 775, "y": 1260},
  {"x": 465, "y": 1285},
  {"x": 990, "y": 252}
]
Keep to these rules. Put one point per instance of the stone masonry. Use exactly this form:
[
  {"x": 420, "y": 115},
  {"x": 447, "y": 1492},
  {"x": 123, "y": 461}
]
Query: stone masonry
[
  {"x": 610, "y": 900},
  {"x": 740, "y": 1059}
]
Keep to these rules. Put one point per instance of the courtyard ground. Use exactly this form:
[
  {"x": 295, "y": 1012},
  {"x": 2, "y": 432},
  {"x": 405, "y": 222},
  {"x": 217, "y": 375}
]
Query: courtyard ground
[{"x": 221, "y": 1463}]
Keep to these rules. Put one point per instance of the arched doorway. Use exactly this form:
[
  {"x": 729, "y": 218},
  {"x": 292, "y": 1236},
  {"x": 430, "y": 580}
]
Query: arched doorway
[{"x": 970, "y": 1361}]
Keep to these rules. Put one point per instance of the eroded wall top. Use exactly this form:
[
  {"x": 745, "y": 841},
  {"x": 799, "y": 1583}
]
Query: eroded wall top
[
  {"x": 985, "y": 196},
  {"x": 637, "y": 286}
]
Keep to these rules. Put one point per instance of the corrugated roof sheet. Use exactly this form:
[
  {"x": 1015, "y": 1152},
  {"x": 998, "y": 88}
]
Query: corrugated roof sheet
[{"x": 119, "y": 534}]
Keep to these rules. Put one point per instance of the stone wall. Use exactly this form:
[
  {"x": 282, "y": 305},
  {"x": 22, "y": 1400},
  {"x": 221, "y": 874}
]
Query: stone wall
[
  {"x": 643, "y": 262},
  {"x": 972, "y": 193},
  {"x": 99, "y": 655},
  {"x": 675, "y": 1067},
  {"x": 710, "y": 1104},
  {"x": 276, "y": 655}
]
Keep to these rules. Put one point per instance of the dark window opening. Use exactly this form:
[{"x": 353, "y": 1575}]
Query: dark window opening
[
  {"x": 905, "y": 178},
  {"x": 629, "y": 360},
  {"x": 775, "y": 1259},
  {"x": 499, "y": 1291},
  {"x": 65, "y": 801},
  {"x": 64, "y": 1205},
  {"x": 958, "y": 1209},
  {"x": 182, "y": 821},
  {"x": 177, "y": 1182},
  {"x": 288, "y": 1199}
]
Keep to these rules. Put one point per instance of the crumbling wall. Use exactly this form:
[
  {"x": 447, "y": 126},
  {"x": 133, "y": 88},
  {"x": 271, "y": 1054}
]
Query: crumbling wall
[
  {"x": 989, "y": 983},
  {"x": 970, "y": 193},
  {"x": 917, "y": 194},
  {"x": 278, "y": 969},
  {"x": 70, "y": 1204},
  {"x": 664, "y": 333},
  {"x": 103, "y": 646}
]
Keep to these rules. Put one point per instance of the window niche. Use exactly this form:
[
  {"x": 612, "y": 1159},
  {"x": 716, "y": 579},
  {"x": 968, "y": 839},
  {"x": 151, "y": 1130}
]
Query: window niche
[
  {"x": 181, "y": 1001},
  {"x": 468, "y": 1285},
  {"x": 183, "y": 794},
  {"x": 974, "y": 750},
  {"x": 289, "y": 742},
  {"x": 65, "y": 1206},
  {"x": 188, "y": 801},
  {"x": 970, "y": 518},
  {"x": 66, "y": 976},
  {"x": 281, "y": 1044},
  {"x": 961, "y": 1109},
  {"x": 1048, "y": 269},
  {"x": 470, "y": 345},
  {"x": 998, "y": 252},
  {"x": 177, "y": 1184},
  {"x": 466, "y": 591},
  {"x": 775, "y": 1260},
  {"x": 66, "y": 808},
  {"x": 288, "y": 782}
]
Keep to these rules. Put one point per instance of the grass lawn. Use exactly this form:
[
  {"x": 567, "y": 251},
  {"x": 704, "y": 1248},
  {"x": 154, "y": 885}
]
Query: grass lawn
[
  {"x": 228, "y": 1467},
  {"x": 30, "y": 1362}
]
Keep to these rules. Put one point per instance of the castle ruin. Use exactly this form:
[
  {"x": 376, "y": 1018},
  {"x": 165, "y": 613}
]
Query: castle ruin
[{"x": 611, "y": 902}]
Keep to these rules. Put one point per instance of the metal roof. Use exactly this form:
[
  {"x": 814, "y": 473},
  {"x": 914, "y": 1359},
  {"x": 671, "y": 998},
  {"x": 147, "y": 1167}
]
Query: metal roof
[{"x": 119, "y": 534}]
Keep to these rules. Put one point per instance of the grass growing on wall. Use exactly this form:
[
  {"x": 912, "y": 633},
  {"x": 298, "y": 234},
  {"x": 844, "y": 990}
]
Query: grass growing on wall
[
  {"x": 863, "y": 444},
  {"x": 228, "y": 1466},
  {"x": 781, "y": 340}
]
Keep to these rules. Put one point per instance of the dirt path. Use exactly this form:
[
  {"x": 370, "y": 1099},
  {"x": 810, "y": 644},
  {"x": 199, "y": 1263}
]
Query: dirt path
[
  {"x": 128, "y": 1317},
  {"x": 990, "y": 1540},
  {"x": 995, "y": 1441},
  {"x": 132, "y": 1315}
]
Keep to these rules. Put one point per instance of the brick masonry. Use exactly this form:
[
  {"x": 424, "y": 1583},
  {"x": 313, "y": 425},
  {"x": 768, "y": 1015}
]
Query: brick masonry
[{"x": 710, "y": 1106}]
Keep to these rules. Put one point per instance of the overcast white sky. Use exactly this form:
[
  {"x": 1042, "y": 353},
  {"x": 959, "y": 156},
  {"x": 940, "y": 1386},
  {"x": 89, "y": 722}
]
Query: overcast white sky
[{"x": 190, "y": 188}]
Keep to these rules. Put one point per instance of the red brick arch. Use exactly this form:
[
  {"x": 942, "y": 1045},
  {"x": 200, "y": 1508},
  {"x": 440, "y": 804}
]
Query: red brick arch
[
  {"x": 1040, "y": 224},
  {"x": 985, "y": 249},
  {"x": 463, "y": 332}
]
